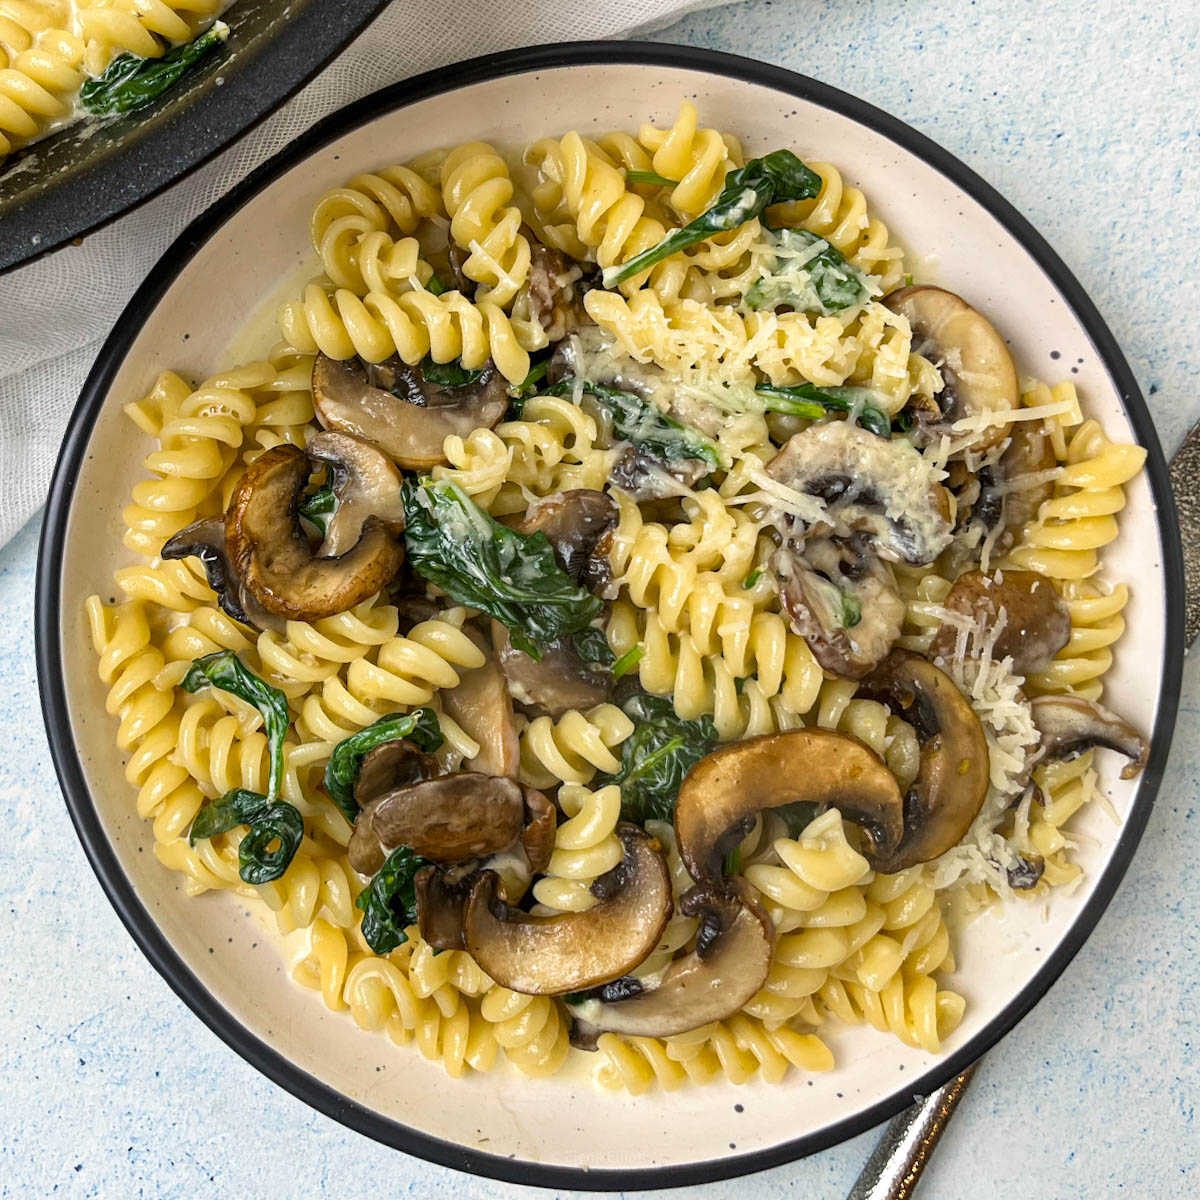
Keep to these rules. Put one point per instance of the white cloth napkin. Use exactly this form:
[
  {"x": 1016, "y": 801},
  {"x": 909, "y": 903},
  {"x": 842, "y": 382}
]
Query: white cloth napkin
[{"x": 55, "y": 313}]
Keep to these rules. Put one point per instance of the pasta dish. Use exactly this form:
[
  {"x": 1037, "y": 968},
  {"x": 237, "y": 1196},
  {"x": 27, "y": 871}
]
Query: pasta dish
[{"x": 626, "y": 617}]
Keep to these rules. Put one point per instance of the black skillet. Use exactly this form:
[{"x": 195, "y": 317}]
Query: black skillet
[{"x": 86, "y": 175}]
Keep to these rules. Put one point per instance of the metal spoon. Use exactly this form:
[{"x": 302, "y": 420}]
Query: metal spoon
[{"x": 894, "y": 1168}]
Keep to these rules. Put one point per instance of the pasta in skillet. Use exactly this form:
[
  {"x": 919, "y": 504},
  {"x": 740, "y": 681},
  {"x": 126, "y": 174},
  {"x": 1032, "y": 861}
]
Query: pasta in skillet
[
  {"x": 624, "y": 617},
  {"x": 65, "y": 59}
]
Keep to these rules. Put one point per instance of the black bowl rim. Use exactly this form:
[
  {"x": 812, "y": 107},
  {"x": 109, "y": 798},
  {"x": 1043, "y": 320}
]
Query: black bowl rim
[
  {"x": 49, "y": 649},
  {"x": 199, "y": 131}
]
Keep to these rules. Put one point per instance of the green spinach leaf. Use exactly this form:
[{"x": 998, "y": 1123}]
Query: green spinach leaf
[
  {"x": 341, "y": 772},
  {"x": 652, "y": 177},
  {"x": 808, "y": 400},
  {"x": 645, "y": 425},
  {"x": 825, "y": 284},
  {"x": 224, "y": 670},
  {"x": 662, "y": 749},
  {"x": 513, "y": 577},
  {"x": 450, "y": 374},
  {"x": 276, "y": 831},
  {"x": 319, "y": 506},
  {"x": 748, "y": 191},
  {"x": 389, "y": 901},
  {"x": 628, "y": 661},
  {"x": 130, "y": 82}
]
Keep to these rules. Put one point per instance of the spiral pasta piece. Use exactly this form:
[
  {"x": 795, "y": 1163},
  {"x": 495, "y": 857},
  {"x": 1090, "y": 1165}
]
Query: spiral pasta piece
[
  {"x": 572, "y": 749},
  {"x": 142, "y": 27},
  {"x": 477, "y": 189},
  {"x": 697, "y": 159}
]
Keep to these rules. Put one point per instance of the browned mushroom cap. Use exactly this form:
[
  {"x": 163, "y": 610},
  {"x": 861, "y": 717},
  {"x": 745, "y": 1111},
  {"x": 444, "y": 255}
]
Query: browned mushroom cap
[
  {"x": 366, "y": 484},
  {"x": 560, "y": 681},
  {"x": 1069, "y": 725},
  {"x": 727, "y": 968},
  {"x": 393, "y": 764},
  {"x": 974, "y": 361},
  {"x": 724, "y": 790},
  {"x": 1036, "y": 626},
  {"x": 448, "y": 820},
  {"x": 567, "y": 952},
  {"x": 541, "y": 822},
  {"x": 952, "y": 779},
  {"x": 411, "y": 430},
  {"x": 481, "y": 704},
  {"x": 885, "y": 488},
  {"x": 842, "y": 600},
  {"x": 574, "y": 523},
  {"x": 268, "y": 550},
  {"x": 205, "y": 540}
]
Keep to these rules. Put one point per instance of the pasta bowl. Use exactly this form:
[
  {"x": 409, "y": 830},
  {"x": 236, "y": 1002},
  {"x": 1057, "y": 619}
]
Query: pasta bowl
[{"x": 192, "y": 315}]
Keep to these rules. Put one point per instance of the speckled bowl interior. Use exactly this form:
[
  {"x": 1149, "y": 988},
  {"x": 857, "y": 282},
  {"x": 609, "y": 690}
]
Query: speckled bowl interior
[{"x": 193, "y": 316}]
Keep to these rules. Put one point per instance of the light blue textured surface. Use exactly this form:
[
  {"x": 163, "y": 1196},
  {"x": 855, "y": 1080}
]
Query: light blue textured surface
[{"x": 1086, "y": 118}]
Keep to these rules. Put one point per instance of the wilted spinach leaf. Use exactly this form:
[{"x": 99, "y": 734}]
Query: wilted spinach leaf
[
  {"x": 645, "y": 425},
  {"x": 130, "y": 81},
  {"x": 748, "y": 191},
  {"x": 341, "y": 772},
  {"x": 513, "y": 577},
  {"x": 225, "y": 670},
  {"x": 269, "y": 823},
  {"x": 450, "y": 374},
  {"x": 319, "y": 506},
  {"x": 808, "y": 400},
  {"x": 662, "y": 749},
  {"x": 825, "y": 284},
  {"x": 389, "y": 901}
]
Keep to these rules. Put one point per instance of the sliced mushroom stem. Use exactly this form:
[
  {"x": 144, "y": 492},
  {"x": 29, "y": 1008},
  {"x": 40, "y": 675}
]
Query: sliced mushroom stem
[
  {"x": 1069, "y": 725},
  {"x": 952, "y": 779},
  {"x": 482, "y": 706},
  {"x": 726, "y": 789},
  {"x": 569, "y": 952},
  {"x": 727, "y": 968}
]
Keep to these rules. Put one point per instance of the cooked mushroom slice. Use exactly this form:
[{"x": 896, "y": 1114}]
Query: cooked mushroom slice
[
  {"x": 393, "y": 764},
  {"x": 722, "y": 793},
  {"x": 575, "y": 524},
  {"x": 727, "y": 968},
  {"x": 975, "y": 364},
  {"x": 1025, "y": 872},
  {"x": 567, "y": 952},
  {"x": 952, "y": 779},
  {"x": 842, "y": 600},
  {"x": 269, "y": 551},
  {"x": 441, "y": 903},
  {"x": 541, "y": 822},
  {"x": 409, "y": 430},
  {"x": 561, "y": 680},
  {"x": 555, "y": 292},
  {"x": 643, "y": 477},
  {"x": 447, "y": 820},
  {"x": 884, "y": 488},
  {"x": 1036, "y": 625},
  {"x": 205, "y": 540},
  {"x": 366, "y": 484},
  {"x": 1069, "y": 725},
  {"x": 481, "y": 704}
]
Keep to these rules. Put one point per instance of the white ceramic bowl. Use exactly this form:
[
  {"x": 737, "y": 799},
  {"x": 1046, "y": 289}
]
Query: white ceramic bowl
[{"x": 237, "y": 260}]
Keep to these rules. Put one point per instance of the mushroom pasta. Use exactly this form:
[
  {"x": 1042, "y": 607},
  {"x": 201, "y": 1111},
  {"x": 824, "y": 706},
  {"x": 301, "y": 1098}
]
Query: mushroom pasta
[{"x": 626, "y": 618}]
